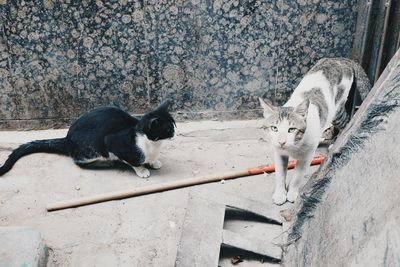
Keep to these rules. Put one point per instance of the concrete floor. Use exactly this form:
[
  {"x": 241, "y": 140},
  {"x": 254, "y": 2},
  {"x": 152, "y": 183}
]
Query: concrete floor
[{"x": 141, "y": 231}]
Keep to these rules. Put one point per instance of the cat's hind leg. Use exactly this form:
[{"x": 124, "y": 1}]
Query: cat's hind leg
[{"x": 95, "y": 163}]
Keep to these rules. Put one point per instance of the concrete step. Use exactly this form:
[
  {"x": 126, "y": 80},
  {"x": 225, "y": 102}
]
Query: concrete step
[
  {"x": 203, "y": 231},
  {"x": 254, "y": 245},
  {"x": 201, "y": 234},
  {"x": 267, "y": 210},
  {"x": 21, "y": 246}
]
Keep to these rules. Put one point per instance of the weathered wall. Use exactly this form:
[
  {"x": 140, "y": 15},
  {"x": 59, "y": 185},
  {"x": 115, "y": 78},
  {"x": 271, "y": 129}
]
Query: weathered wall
[
  {"x": 349, "y": 214},
  {"x": 59, "y": 58}
]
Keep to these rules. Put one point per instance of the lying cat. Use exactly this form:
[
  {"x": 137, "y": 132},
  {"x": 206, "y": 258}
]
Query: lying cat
[
  {"x": 295, "y": 128},
  {"x": 106, "y": 134}
]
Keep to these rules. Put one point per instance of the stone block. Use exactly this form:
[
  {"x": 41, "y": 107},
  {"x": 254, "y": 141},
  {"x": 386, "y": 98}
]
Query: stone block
[{"x": 21, "y": 246}]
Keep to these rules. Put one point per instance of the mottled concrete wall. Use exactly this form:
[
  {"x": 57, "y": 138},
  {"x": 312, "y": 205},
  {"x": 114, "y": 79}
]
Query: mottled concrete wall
[{"x": 214, "y": 58}]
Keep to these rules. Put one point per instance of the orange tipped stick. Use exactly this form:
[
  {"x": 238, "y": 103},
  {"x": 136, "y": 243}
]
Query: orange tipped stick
[
  {"x": 170, "y": 186},
  {"x": 271, "y": 167}
]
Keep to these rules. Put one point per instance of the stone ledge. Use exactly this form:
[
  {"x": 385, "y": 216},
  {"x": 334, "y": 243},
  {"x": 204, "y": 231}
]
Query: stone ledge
[{"x": 21, "y": 246}]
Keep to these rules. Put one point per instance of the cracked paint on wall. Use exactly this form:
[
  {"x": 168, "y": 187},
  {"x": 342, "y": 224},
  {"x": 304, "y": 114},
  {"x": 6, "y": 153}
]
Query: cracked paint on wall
[{"x": 60, "y": 58}]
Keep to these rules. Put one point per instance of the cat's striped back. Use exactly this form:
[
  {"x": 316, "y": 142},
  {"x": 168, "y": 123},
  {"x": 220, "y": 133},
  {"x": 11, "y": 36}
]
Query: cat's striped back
[{"x": 327, "y": 85}]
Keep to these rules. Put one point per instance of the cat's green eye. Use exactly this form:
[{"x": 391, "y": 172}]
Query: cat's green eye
[
  {"x": 291, "y": 130},
  {"x": 274, "y": 128}
]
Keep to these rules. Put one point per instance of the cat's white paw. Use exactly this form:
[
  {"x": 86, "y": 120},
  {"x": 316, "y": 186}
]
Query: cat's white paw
[
  {"x": 279, "y": 198},
  {"x": 142, "y": 172},
  {"x": 292, "y": 195},
  {"x": 156, "y": 165}
]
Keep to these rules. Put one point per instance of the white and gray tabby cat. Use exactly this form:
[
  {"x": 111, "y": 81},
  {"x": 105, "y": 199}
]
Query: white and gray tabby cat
[{"x": 296, "y": 128}]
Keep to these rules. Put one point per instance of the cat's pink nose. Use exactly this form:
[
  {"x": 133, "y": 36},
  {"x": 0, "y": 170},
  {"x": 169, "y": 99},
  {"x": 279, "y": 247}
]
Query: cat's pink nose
[{"x": 282, "y": 143}]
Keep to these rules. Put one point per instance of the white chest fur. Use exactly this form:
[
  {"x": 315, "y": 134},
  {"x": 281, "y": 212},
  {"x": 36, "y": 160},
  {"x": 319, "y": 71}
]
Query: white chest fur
[{"x": 151, "y": 149}]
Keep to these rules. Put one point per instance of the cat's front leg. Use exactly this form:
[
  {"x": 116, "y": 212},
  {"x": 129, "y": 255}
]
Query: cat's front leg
[
  {"x": 141, "y": 171},
  {"x": 152, "y": 155},
  {"x": 281, "y": 163},
  {"x": 299, "y": 173},
  {"x": 133, "y": 160},
  {"x": 156, "y": 164}
]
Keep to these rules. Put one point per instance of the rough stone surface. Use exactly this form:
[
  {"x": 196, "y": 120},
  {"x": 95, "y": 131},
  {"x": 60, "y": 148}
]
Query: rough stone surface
[
  {"x": 349, "y": 214},
  {"x": 21, "y": 246},
  {"x": 214, "y": 58}
]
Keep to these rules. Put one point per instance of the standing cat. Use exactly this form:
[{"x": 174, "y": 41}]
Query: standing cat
[
  {"x": 296, "y": 127},
  {"x": 103, "y": 135}
]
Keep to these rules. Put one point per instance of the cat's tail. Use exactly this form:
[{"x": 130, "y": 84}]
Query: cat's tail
[
  {"x": 361, "y": 81},
  {"x": 359, "y": 89},
  {"x": 48, "y": 146}
]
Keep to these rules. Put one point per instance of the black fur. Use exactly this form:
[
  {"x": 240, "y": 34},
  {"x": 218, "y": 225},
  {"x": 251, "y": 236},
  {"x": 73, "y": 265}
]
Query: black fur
[
  {"x": 102, "y": 131},
  {"x": 47, "y": 146}
]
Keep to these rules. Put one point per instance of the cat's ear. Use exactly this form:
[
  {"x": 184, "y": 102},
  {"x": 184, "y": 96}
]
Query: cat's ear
[
  {"x": 269, "y": 109},
  {"x": 164, "y": 105},
  {"x": 153, "y": 123},
  {"x": 302, "y": 108}
]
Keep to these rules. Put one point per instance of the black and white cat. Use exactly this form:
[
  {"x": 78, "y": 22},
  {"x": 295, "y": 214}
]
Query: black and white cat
[{"x": 106, "y": 134}]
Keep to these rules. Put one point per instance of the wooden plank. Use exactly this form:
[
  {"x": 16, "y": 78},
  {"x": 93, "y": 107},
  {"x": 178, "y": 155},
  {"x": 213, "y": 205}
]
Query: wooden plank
[
  {"x": 392, "y": 42},
  {"x": 385, "y": 21},
  {"x": 201, "y": 234},
  {"x": 361, "y": 36}
]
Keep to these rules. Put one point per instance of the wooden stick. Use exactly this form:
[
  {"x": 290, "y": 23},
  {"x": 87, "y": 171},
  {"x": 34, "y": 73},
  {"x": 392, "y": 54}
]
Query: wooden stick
[{"x": 169, "y": 186}]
